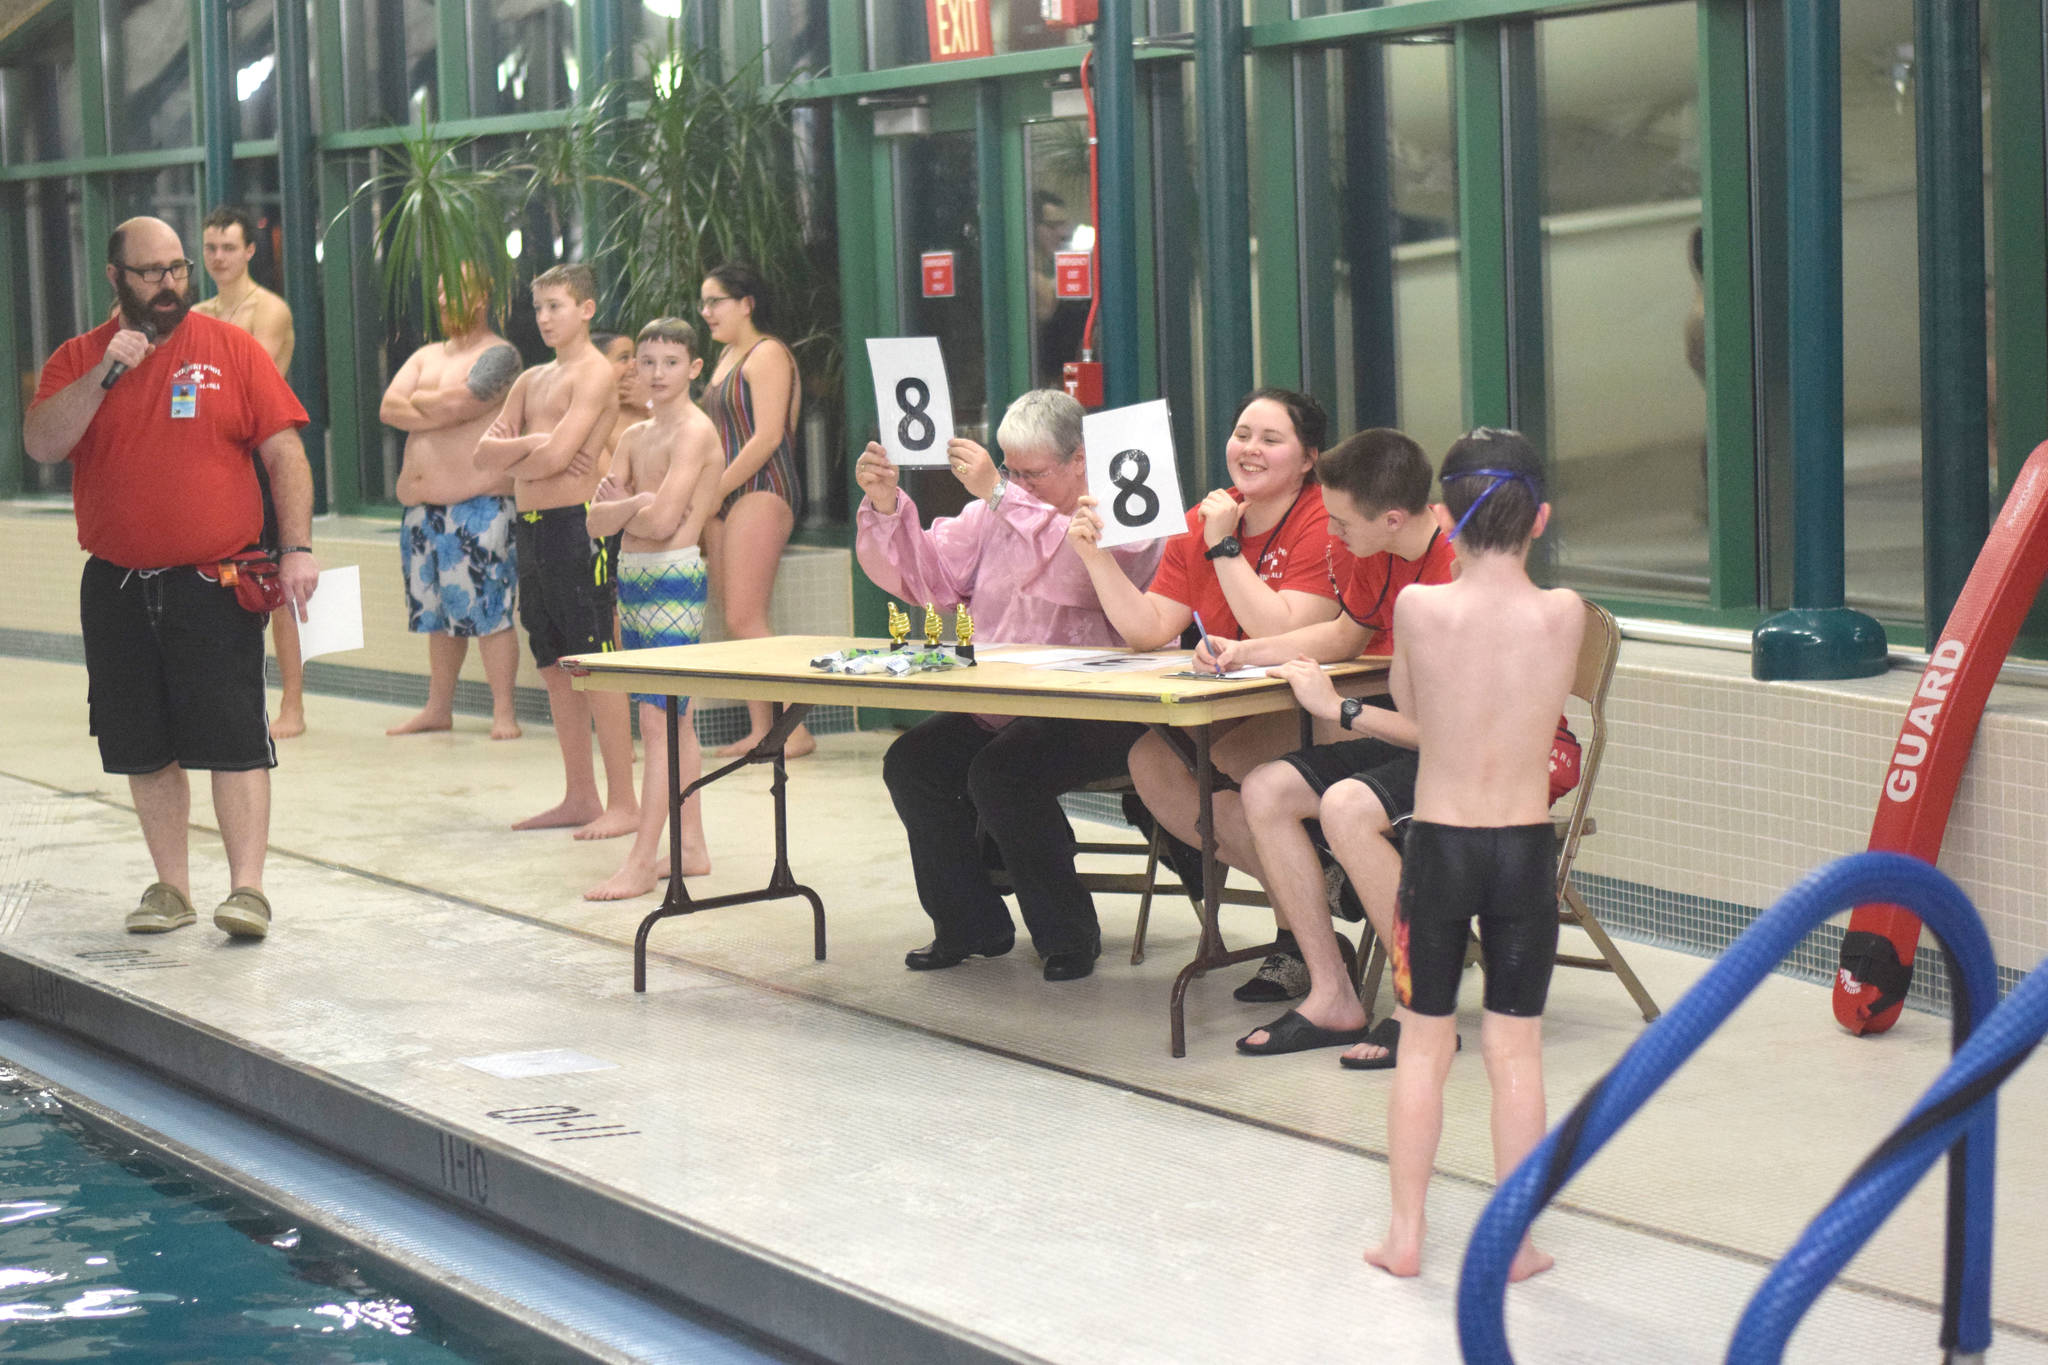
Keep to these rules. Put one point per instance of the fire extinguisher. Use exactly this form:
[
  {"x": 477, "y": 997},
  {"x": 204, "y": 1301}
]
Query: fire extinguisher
[{"x": 1083, "y": 378}]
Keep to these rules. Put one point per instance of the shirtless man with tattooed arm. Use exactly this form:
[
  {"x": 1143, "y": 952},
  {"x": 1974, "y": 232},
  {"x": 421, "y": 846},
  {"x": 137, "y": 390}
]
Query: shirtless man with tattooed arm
[{"x": 455, "y": 546}]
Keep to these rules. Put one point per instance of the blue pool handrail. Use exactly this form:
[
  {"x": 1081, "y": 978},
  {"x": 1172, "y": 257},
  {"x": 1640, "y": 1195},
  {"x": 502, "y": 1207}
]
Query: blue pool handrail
[
  {"x": 1862, "y": 878},
  {"x": 1970, "y": 1082}
]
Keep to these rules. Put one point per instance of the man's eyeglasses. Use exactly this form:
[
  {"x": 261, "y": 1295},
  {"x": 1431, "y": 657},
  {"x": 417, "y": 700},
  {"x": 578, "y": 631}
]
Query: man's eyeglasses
[{"x": 154, "y": 274}]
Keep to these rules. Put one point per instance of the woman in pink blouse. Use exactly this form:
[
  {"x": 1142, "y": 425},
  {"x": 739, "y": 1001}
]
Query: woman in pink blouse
[{"x": 954, "y": 777}]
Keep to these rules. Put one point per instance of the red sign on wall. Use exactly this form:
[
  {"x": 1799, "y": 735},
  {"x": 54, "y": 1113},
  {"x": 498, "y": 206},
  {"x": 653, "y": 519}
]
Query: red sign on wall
[
  {"x": 1072, "y": 277},
  {"x": 938, "y": 274},
  {"x": 958, "y": 28}
]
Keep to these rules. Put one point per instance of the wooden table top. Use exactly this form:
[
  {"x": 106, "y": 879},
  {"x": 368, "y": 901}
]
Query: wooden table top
[{"x": 778, "y": 668}]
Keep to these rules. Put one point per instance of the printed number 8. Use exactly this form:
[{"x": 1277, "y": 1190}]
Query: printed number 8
[
  {"x": 914, "y": 413},
  {"x": 1128, "y": 471}
]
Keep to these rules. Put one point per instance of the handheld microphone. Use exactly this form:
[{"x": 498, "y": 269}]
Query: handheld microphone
[{"x": 117, "y": 369}]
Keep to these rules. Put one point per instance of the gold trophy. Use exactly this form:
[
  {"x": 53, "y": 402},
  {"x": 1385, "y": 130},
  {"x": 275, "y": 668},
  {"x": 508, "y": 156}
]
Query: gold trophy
[
  {"x": 899, "y": 627},
  {"x": 963, "y": 634},
  {"x": 934, "y": 628}
]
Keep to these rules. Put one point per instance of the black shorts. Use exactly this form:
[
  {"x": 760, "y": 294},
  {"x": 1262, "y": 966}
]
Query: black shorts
[
  {"x": 174, "y": 671},
  {"x": 565, "y": 594},
  {"x": 1508, "y": 878}
]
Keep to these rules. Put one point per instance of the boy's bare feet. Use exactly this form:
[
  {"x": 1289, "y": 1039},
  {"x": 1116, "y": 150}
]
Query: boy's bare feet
[
  {"x": 634, "y": 879},
  {"x": 288, "y": 725},
  {"x": 797, "y": 745},
  {"x": 505, "y": 728},
  {"x": 1399, "y": 1256},
  {"x": 1529, "y": 1261},
  {"x": 612, "y": 823},
  {"x": 426, "y": 722},
  {"x": 570, "y": 812}
]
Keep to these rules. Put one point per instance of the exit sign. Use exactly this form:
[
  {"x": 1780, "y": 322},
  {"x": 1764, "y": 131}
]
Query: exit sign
[{"x": 958, "y": 28}]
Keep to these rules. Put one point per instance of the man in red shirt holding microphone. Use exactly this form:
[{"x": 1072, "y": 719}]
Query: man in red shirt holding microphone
[{"x": 160, "y": 412}]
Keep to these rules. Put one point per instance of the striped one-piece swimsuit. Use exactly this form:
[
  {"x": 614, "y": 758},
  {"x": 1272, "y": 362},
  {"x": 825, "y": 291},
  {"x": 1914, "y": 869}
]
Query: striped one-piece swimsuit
[{"x": 730, "y": 402}]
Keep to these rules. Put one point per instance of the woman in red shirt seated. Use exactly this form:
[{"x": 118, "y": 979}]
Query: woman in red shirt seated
[{"x": 1252, "y": 563}]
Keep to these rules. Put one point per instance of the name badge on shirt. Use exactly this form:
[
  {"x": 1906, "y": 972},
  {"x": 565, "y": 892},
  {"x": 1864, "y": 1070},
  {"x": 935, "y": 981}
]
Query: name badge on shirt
[{"x": 184, "y": 400}]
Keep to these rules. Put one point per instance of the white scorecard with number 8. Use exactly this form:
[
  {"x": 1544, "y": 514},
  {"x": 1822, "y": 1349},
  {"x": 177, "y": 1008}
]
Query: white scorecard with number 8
[
  {"x": 1132, "y": 474},
  {"x": 912, "y": 403}
]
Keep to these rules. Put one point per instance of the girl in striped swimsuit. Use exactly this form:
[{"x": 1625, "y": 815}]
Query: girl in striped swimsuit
[{"x": 754, "y": 398}]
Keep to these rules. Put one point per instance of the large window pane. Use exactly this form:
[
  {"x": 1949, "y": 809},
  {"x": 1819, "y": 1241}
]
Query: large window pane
[
  {"x": 39, "y": 103},
  {"x": 255, "y": 49},
  {"x": 798, "y": 34},
  {"x": 149, "y": 74},
  {"x": 171, "y": 194},
  {"x": 1627, "y": 407},
  {"x": 936, "y": 210},
  {"x": 522, "y": 52},
  {"x": 49, "y": 304},
  {"x": 1382, "y": 224},
  {"x": 1056, "y": 189},
  {"x": 389, "y": 48},
  {"x": 1884, "y": 556},
  {"x": 897, "y": 34}
]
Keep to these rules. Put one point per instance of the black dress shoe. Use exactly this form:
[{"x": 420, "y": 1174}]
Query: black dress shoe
[
  {"x": 936, "y": 956},
  {"x": 1075, "y": 963}
]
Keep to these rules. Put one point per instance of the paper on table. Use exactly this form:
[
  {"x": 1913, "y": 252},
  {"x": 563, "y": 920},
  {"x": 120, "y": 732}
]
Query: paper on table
[
  {"x": 1038, "y": 655},
  {"x": 1120, "y": 663},
  {"x": 334, "y": 614}
]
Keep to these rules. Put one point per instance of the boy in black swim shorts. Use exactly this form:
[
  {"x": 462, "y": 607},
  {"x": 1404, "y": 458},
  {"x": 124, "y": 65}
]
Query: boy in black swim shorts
[{"x": 1482, "y": 665}]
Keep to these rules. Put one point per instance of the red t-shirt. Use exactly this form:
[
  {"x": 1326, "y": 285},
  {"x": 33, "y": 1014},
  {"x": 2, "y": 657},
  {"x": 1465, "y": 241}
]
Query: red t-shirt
[
  {"x": 1370, "y": 585},
  {"x": 1286, "y": 558},
  {"x": 163, "y": 475}
]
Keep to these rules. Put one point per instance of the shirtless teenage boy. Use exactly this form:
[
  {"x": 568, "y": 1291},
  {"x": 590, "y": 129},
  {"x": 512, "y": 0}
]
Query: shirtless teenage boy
[
  {"x": 555, "y": 414},
  {"x": 455, "y": 544},
  {"x": 228, "y": 242},
  {"x": 662, "y": 489},
  {"x": 1483, "y": 666}
]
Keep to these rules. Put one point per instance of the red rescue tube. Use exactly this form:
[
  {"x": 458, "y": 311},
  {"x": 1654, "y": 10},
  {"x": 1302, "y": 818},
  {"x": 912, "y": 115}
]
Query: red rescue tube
[{"x": 1935, "y": 741}]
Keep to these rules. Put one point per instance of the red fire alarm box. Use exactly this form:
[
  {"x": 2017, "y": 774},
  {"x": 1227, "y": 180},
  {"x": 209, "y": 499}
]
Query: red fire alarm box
[
  {"x": 938, "y": 274},
  {"x": 1082, "y": 379},
  {"x": 1072, "y": 276},
  {"x": 958, "y": 28},
  {"x": 1067, "y": 13}
]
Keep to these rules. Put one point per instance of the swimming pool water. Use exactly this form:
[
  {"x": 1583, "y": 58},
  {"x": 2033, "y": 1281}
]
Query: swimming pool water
[{"x": 108, "y": 1252}]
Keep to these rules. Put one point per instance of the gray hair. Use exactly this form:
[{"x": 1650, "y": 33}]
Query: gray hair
[{"x": 1042, "y": 419}]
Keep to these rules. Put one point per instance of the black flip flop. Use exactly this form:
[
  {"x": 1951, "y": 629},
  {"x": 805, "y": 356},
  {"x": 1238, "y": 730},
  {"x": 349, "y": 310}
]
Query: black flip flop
[
  {"x": 1292, "y": 1033},
  {"x": 1385, "y": 1034}
]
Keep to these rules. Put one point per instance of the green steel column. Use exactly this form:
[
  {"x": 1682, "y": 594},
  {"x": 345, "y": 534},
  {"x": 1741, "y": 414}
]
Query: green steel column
[
  {"x": 351, "y": 448},
  {"x": 296, "y": 171},
  {"x": 454, "y": 95},
  {"x": 1482, "y": 223},
  {"x": 1528, "y": 377},
  {"x": 992, "y": 190},
  {"x": 1948, "y": 112},
  {"x": 13, "y": 252},
  {"x": 95, "y": 202},
  {"x": 1225, "y": 225},
  {"x": 1818, "y": 637},
  {"x": 1367, "y": 223},
  {"x": 1116, "y": 122},
  {"x": 217, "y": 107},
  {"x": 603, "y": 59},
  {"x": 846, "y": 39}
]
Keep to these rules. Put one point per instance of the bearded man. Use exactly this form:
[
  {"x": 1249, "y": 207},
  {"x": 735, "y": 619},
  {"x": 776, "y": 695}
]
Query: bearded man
[{"x": 163, "y": 414}]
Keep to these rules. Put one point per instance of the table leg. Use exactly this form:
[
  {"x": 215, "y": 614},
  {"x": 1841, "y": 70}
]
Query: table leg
[
  {"x": 1210, "y": 951},
  {"x": 782, "y": 884}
]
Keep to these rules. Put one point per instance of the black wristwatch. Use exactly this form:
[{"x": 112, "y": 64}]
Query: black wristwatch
[
  {"x": 1347, "y": 711},
  {"x": 1226, "y": 548}
]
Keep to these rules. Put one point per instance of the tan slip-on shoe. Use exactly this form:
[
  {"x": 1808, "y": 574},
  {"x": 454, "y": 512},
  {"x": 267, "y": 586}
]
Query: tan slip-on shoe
[
  {"x": 163, "y": 909},
  {"x": 244, "y": 914}
]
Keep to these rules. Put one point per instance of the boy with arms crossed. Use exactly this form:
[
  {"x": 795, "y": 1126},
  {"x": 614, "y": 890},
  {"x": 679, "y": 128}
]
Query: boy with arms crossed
[
  {"x": 662, "y": 489},
  {"x": 455, "y": 543},
  {"x": 1483, "y": 665},
  {"x": 547, "y": 438}
]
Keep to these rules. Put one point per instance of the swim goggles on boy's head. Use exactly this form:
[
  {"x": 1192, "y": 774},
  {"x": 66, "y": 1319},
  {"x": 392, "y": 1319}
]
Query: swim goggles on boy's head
[{"x": 1499, "y": 477}]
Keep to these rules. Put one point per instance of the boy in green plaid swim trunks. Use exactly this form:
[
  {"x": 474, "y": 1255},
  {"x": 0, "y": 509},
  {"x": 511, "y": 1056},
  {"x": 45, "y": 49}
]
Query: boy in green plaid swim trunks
[{"x": 662, "y": 488}]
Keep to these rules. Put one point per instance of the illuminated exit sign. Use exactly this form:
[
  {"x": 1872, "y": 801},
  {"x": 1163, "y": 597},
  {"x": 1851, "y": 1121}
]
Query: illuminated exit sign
[{"x": 958, "y": 28}]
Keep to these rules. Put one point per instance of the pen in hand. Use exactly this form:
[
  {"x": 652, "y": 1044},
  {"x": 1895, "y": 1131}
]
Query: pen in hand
[{"x": 1217, "y": 662}]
